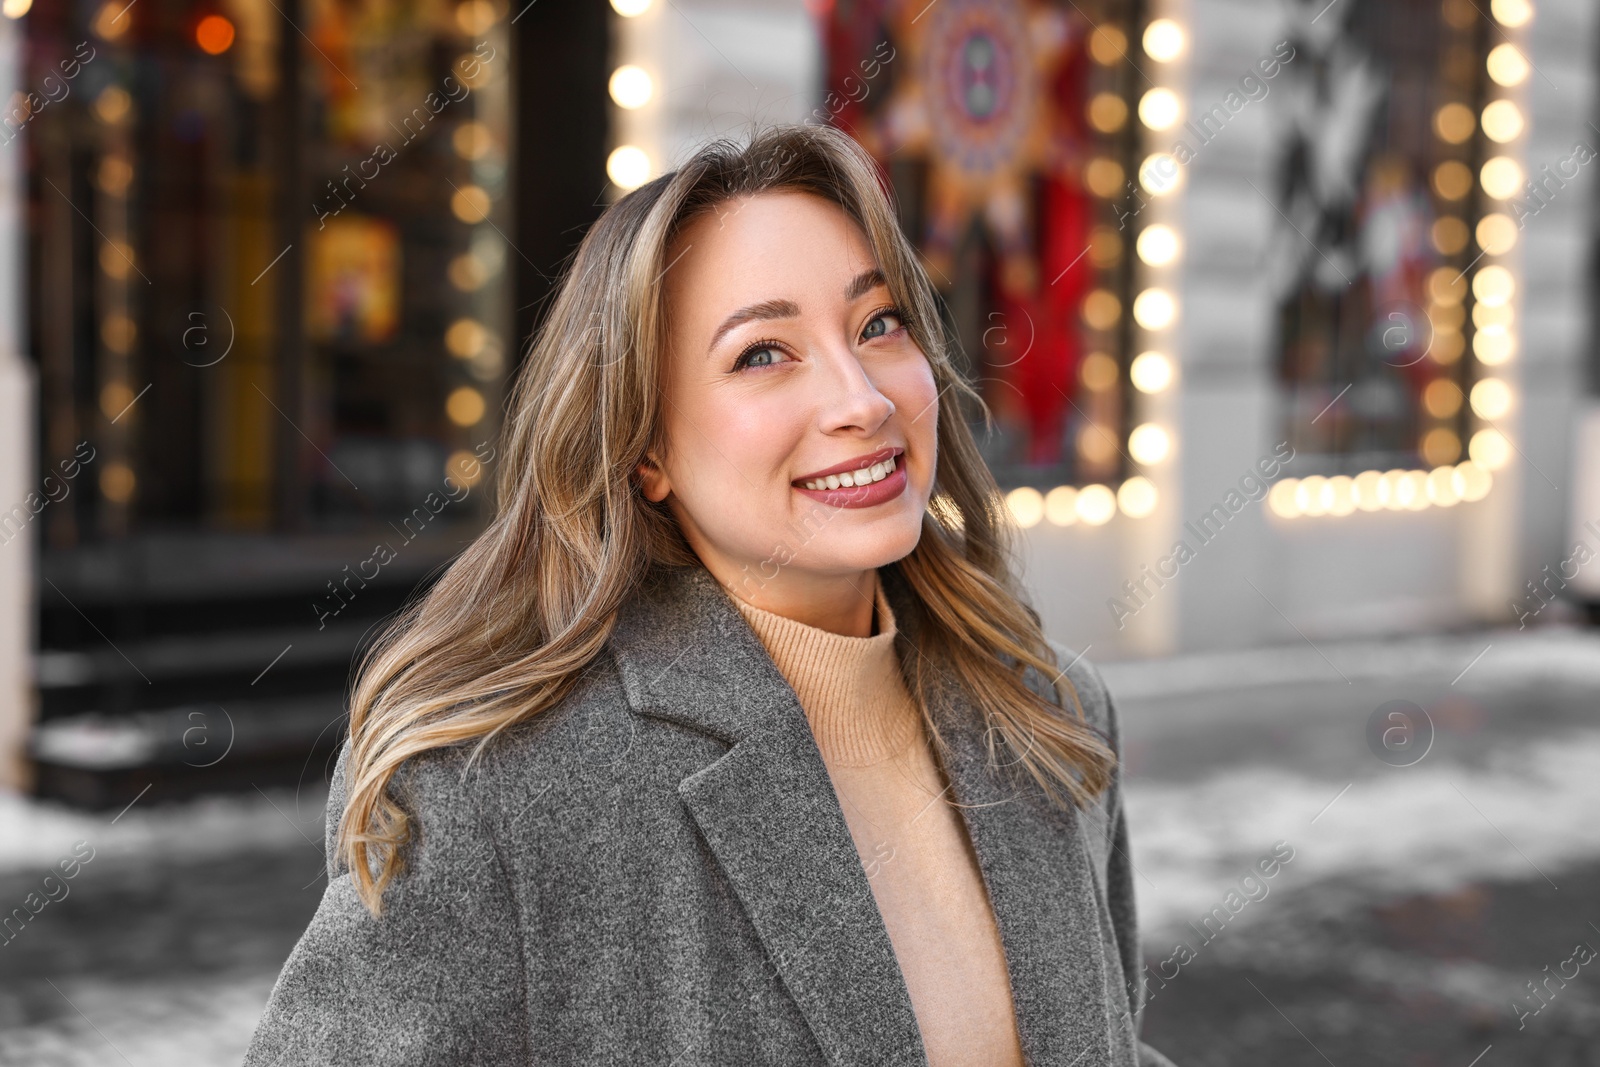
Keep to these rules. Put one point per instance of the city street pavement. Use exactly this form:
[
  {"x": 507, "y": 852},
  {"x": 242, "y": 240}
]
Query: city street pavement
[
  {"x": 1429, "y": 883},
  {"x": 1427, "y": 873}
]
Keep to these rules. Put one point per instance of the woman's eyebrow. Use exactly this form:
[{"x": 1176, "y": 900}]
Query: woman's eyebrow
[
  {"x": 767, "y": 309},
  {"x": 864, "y": 283},
  {"x": 859, "y": 286}
]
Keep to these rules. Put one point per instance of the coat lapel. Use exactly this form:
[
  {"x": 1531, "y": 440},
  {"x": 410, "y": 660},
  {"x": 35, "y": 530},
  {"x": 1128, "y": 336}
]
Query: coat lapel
[{"x": 768, "y": 811}]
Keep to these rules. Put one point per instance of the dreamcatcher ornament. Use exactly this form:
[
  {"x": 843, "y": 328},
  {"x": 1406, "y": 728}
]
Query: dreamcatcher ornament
[{"x": 989, "y": 95}]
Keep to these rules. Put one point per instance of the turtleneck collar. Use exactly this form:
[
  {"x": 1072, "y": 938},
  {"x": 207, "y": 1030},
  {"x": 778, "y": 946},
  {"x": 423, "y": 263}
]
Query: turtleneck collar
[{"x": 850, "y": 688}]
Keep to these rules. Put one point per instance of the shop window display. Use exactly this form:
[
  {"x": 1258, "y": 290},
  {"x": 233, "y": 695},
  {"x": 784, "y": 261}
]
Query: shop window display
[
  {"x": 1009, "y": 133},
  {"x": 1392, "y": 181},
  {"x": 270, "y": 281}
]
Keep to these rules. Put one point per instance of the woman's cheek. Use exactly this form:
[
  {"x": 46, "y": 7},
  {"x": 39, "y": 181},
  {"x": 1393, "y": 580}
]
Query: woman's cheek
[
  {"x": 916, "y": 394},
  {"x": 920, "y": 407},
  {"x": 759, "y": 430}
]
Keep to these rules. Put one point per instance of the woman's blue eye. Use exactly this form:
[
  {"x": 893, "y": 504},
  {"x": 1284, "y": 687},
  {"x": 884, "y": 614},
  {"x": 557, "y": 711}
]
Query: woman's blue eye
[
  {"x": 870, "y": 333},
  {"x": 747, "y": 357}
]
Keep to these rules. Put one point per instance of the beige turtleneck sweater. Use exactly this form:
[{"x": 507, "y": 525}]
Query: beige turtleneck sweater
[{"x": 912, "y": 841}]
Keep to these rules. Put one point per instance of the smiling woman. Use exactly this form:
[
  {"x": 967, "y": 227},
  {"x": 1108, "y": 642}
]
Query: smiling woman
[
  {"x": 814, "y": 378},
  {"x": 606, "y": 798}
]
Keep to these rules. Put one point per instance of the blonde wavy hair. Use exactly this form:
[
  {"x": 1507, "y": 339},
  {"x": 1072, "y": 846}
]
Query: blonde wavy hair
[{"x": 515, "y": 619}]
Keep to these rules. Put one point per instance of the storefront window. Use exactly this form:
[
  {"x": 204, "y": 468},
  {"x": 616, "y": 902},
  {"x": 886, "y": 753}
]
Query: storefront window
[
  {"x": 271, "y": 280},
  {"x": 1393, "y": 311},
  {"x": 1011, "y": 134}
]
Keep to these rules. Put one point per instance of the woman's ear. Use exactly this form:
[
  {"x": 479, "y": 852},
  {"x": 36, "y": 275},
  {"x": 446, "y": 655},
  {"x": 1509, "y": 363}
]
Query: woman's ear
[{"x": 653, "y": 480}]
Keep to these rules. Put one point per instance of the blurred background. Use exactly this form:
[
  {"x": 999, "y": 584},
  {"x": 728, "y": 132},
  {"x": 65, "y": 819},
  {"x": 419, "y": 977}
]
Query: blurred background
[{"x": 1282, "y": 311}]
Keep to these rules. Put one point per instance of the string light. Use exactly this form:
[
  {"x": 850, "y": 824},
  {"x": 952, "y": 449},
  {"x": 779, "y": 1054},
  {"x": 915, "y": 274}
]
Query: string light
[
  {"x": 628, "y": 167},
  {"x": 1164, "y": 40},
  {"x": 472, "y": 140},
  {"x": 1149, "y": 444},
  {"x": 1501, "y": 177},
  {"x": 1489, "y": 449},
  {"x": 1502, "y": 121},
  {"x": 1061, "y": 505},
  {"x": 1154, "y": 309},
  {"x": 631, "y": 87},
  {"x": 465, "y": 406},
  {"x": 1493, "y": 285},
  {"x": 1511, "y": 13},
  {"x": 1096, "y": 504},
  {"x": 214, "y": 35},
  {"x": 1454, "y": 123},
  {"x": 1157, "y": 245},
  {"x": 1151, "y": 372},
  {"x": 1107, "y": 112},
  {"x": 1101, "y": 309},
  {"x": 1372, "y": 490},
  {"x": 1027, "y": 506},
  {"x": 470, "y": 203},
  {"x": 1108, "y": 45},
  {"x": 1160, "y": 109},
  {"x": 1160, "y": 174},
  {"x": 1507, "y": 66},
  {"x": 1497, "y": 234},
  {"x": 1137, "y": 497},
  {"x": 1491, "y": 398},
  {"x": 474, "y": 17}
]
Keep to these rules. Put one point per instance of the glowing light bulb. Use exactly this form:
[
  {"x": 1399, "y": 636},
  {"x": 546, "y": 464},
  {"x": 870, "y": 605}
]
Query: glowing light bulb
[
  {"x": 1137, "y": 497},
  {"x": 1151, "y": 372},
  {"x": 1164, "y": 40},
  {"x": 1155, "y": 309},
  {"x": 631, "y": 87},
  {"x": 1160, "y": 109},
  {"x": 1502, "y": 121},
  {"x": 628, "y": 167},
  {"x": 1507, "y": 66},
  {"x": 1027, "y": 506},
  {"x": 1096, "y": 504},
  {"x": 1149, "y": 444},
  {"x": 1157, "y": 245}
]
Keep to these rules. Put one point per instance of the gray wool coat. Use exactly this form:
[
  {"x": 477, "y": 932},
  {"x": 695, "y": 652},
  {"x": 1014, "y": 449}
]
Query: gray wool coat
[{"x": 658, "y": 871}]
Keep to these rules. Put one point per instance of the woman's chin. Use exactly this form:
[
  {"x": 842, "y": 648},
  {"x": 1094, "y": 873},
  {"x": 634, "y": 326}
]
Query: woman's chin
[{"x": 863, "y": 553}]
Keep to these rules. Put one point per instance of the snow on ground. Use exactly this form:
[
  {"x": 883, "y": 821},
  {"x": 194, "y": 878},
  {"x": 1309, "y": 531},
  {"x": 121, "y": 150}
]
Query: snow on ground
[
  {"x": 1426, "y": 828},
  {"x": 1487, "y": 657},
  {"x": 160, "y": 1022},
  {"x": 34, "y": 835}
]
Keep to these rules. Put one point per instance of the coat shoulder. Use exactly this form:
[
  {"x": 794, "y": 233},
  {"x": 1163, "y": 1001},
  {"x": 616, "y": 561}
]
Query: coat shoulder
[
  {"x": 575, "y": 744},
  {"x": 552, "y": 776}
]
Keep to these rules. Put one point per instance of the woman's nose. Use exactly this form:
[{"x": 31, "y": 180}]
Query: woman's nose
[{"x": 850, "y": 398}]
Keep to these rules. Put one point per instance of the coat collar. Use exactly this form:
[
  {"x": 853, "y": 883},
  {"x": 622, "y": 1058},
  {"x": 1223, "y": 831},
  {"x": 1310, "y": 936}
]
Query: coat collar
[{"x": 768, "y": 811}]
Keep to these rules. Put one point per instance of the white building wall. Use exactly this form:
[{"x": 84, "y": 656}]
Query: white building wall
[
  {"x": 720, "y": 67},
  {"x": 1557, "y": 268},
  {"x": 17, "y": 461}
]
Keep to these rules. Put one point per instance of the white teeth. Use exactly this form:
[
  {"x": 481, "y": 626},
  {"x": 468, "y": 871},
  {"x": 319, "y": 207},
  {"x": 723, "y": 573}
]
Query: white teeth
[{"x": 877, "y": 472}]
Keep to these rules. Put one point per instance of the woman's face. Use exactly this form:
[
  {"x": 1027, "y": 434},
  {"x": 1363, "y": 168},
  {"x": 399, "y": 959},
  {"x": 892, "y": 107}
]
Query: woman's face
[{"x": 786, "y": 358}]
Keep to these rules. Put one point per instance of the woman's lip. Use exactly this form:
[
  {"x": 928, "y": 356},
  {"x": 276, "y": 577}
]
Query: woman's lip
[
  {"x": 852, "y": 465},
  {"x": 862, "y": 496}
]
